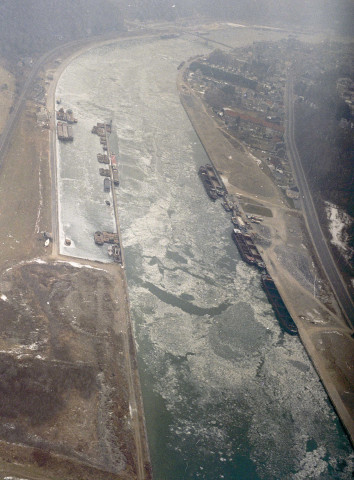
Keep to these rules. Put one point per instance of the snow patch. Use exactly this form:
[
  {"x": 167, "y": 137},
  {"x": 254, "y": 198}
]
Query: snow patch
[
  {"x": 42, "y": 262},
  {"x": 80, "y": 265},
  {"x": 338, "y": 223},
  {"x": 3, "y": 298}
]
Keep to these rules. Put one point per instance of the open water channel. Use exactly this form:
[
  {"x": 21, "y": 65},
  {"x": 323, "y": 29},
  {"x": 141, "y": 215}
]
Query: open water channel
[{"x": 226, "y": 393}]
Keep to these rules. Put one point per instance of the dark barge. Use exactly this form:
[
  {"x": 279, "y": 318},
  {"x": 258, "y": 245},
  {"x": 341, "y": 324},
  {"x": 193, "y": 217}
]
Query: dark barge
[
  {"x": 107, "y": 184},
  {"x": 281, "y": 312},
  {"x": 215, "y": 180},
  {"x": 209, "y": 188},
  {"x": 248, "y": 250}
]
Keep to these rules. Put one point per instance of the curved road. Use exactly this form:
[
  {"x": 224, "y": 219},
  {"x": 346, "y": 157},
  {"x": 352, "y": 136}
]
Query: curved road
[
  {"x": 313, "y": 225},
  {"x": 7, "y": 133}
]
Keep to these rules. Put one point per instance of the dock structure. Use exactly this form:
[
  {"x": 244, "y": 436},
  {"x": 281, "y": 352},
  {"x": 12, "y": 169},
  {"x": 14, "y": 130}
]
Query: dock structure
[
  {"x": 249, "y": 253},
  {"x": 101, "y": 129},
  {"x": 111, "y": 178}
]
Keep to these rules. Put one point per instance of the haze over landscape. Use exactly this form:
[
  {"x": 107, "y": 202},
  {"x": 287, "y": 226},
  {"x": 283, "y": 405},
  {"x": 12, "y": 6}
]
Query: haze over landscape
[{"x": 176, "y": 239}]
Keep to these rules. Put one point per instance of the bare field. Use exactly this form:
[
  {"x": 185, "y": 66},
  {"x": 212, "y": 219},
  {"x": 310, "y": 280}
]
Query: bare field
[{"x": 63, "y": 386}]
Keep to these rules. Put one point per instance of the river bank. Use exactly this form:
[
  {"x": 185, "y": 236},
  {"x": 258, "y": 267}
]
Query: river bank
[
  {"x": 100, "y": 422},
  {"x": 322, "y": 329}
]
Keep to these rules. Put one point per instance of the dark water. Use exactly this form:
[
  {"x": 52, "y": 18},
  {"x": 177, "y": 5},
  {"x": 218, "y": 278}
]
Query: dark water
[{"x": 226, "y": 393}]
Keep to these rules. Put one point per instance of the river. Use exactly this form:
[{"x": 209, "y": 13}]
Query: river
[{"x": 226, "y": 393}]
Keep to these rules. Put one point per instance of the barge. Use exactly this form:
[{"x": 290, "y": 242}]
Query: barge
[
  {"x": 115, "y": 253},
  {"x": 104, "y": 172},
  {"x": 107, "y": 184},
  {"x": 101, "y": 129},
  {"x": 65, "y": 132},
  {"x": 209, "y": 188},
  {"x": 215, "y": 180},
  {"x": 106, "y": 237},
  {"x": 103, "y": 158},
  {"x": 280, "y": 310},
  {"x": 67, "y": 116},
  {"x": 248, "y": 250}
]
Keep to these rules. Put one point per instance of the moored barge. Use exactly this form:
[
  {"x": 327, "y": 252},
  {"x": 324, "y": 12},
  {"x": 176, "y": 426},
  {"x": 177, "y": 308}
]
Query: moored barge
[
  {"x": 107, "y": 184},
  {"x": 280, "y": 310},
  {"x": 65, "y": 132},
  {"x": 215, "y": 180},
  {"x": 248, "y": 250},
  {"x": 103, "y": 158},
  {"x": 106, "y": 237},
  {"x": 209, "y": 188},
  {"x": 67, "y": 116},
  {"x": 115, "y": 176}
]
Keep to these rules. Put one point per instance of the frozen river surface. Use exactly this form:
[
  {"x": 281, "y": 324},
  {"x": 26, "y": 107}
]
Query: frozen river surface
[{"x": 226, "y": 393}]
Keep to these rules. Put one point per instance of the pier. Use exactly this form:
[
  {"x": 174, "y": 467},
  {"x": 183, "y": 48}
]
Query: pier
[{"x": 111, "y": 180}]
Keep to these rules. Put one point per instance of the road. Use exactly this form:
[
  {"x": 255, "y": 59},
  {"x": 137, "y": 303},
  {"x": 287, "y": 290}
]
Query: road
[{"x": 313, "y": 225}]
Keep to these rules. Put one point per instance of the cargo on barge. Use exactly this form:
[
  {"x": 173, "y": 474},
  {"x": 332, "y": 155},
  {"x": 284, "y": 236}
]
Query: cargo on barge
[
  {"x": 215, "y": 180},
  {"x": 65, "y": 132},
  {"x": 104, "y": 172},
  {"x": 103, "y": 158},
  {"x": 67, "y": 116},
  {"x": 209, "y": 188},
  {"x": 248, "y": 250},
  {"x": 115, "y": 176},
  {"x": 280, "y": 310}
]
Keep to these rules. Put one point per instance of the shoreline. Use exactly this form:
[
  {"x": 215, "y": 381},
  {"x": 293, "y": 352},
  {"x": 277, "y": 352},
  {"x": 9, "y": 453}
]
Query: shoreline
[
  {"x": 191, "y": 103},
  {"x": 143, "y": 460}
]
